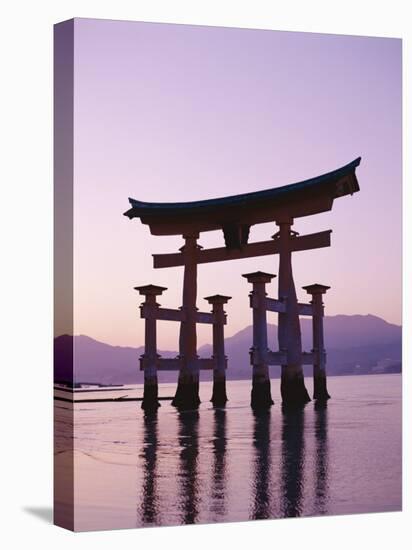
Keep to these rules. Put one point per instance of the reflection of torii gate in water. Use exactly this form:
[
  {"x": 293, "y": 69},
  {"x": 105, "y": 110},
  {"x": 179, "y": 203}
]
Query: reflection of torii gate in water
[{"x": 234, "y": 216}]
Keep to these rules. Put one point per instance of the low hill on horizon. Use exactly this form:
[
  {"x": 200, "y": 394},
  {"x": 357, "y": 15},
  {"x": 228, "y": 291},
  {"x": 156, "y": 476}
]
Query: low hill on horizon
[{"x": 363, "y": 344}]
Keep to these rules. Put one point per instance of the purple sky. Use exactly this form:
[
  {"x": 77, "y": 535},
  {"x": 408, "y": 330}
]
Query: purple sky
[{"x": 176, "y": 113}]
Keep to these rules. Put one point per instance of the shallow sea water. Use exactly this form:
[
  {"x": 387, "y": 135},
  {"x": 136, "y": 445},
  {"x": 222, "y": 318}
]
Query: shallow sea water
[{"x": 219, "y": 465}]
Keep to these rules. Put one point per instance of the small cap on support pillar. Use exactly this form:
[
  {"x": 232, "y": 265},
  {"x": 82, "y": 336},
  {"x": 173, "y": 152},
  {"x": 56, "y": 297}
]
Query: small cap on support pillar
[
  {"x": 150, "y": 290},
  {"x": 316, "y": 289},
  {"x": 217, "y": 299},
  {"x": 258, "y": 277}
]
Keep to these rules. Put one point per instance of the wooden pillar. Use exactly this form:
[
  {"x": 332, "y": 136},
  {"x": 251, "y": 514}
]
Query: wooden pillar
[
  {"x": 261, "y": 396},
  {"x": 292, "y": 385},
  {"x": 187, "y": 393},
  {"x": 149, "y": 358},
  {"x": 320, "y": 391},
  {"x": 219, "y": 396}
]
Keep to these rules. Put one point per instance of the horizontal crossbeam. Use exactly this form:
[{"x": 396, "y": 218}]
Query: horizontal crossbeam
[
  {"x": 270, "y": 358},
  {"x": 308, "y": 358},
  {"x": 167, "y": 364},
  {"x": 264, "y": 248},
  {"x": 166, "y": 314},
  {"x": 275, "y": 305},
  {"x": 171, "y": 364},
  {"x": 305, "y": 309},
  {"x": 280, "y": 358},
  {"x": 161, "y": 313},
  {"x": 279, "y": 306},
  {"x": 206, "y": 363},
  {"x": 206, "y": 318},
  {"x": 276, "y": 358}
]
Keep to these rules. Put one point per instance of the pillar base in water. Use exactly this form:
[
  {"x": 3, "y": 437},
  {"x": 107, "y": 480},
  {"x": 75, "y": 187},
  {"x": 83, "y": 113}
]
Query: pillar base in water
[
  {"x": 187, "y": 394},
  {"x": 320, "y": 392},
  {"x": 150, "y": 397},
  {"x": 293, "y": 390},
  {"x": 219, "y": 397},
  {"x": 261, "y": 397}
]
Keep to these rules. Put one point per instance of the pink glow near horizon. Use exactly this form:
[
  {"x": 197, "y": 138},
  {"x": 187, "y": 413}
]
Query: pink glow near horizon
[{"x": 178, "y": 113}]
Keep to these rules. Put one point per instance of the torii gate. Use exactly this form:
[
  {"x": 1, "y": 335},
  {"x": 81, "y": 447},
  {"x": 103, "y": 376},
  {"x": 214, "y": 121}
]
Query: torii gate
[{"x": 235, "y": 215}]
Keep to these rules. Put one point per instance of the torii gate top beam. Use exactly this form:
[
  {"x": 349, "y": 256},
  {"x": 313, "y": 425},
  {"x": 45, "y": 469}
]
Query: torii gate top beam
[{"x": 235, "y": 214}]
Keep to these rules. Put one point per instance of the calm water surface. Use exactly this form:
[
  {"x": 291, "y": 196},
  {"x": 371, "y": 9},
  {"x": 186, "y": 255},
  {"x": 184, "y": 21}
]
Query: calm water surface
[{"x": 217, "y": 465}]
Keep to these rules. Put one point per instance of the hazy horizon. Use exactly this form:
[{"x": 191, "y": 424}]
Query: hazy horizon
[
  {"x": 209, "y": 341},
  {"x": 176, "y": 113}
]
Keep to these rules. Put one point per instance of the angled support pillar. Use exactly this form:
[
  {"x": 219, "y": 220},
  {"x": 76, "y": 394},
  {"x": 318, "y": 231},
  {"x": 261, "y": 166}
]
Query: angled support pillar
[
  {"x": 261, "y": 395},
  {"x": 292, "y": 385},
  {"x": 320, "y": 392},
  {"x": 219, "y": 396},
  {"x": 187, "y": 392},
  {"x": 149, "y": 359}
]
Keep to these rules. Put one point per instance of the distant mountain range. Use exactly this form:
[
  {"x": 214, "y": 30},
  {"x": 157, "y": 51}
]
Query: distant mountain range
[{"x": 355, "y": 344}]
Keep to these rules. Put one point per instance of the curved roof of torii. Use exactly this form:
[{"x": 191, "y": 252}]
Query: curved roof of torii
[{"x": 295, "y": 200}]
